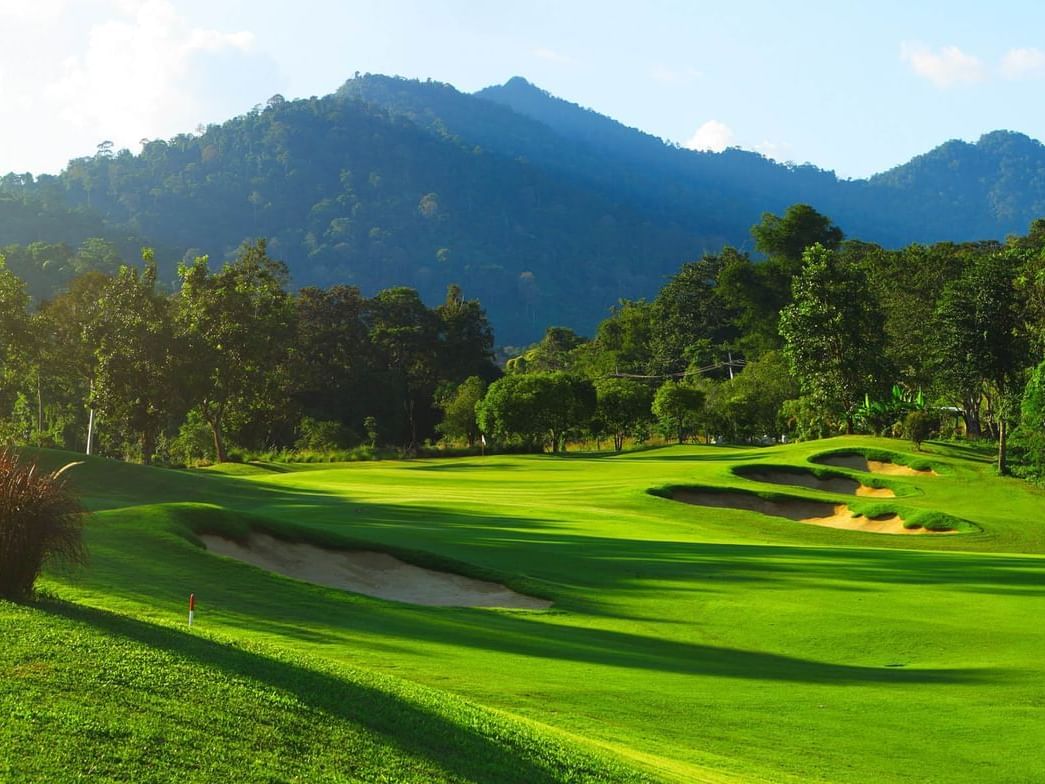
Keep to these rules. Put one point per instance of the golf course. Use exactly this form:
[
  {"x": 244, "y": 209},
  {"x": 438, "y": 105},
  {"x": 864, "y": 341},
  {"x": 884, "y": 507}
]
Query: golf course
[{"x": 838, "y": 610}]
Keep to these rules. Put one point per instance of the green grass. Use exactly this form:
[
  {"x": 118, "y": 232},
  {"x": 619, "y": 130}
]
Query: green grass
[{"x": 685, "y": 643}]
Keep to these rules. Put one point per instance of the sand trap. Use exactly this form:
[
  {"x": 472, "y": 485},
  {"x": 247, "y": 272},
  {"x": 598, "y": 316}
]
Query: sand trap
[
  {"x": 370, "y": 573},
  {"x": 808, "y": 512},
  {"x": 858, "y": 462},
  {"x": 895, "y": 469},
  {"x": 885, "y": 524},
  {"x": 832, "y": 484}
]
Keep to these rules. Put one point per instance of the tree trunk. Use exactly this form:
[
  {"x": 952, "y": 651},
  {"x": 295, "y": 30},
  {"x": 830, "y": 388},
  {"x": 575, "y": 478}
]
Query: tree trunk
[
  {"x": 214, "y": 420},
  {"x": 972, "y": 418},
  {"x": 849, "y": 428},
  {"x": 148, "y": 446},
  {"x": 1003, "y": 447}
]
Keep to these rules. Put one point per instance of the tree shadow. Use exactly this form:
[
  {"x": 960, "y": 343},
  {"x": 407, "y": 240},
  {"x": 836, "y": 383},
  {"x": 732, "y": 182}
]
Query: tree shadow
[{"x": 472, "y": 749}]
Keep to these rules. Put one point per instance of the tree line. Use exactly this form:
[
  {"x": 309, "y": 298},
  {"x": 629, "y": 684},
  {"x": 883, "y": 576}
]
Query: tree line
[
  {"x": 818, "y": 335},
  {"x": 117, "y": 365}
]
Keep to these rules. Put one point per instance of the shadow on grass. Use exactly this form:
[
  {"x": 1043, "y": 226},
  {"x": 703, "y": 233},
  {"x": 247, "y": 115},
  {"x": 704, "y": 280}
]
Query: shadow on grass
[
  {"x": 457, "y": 748},
  {"x": 258, "y": 602}
]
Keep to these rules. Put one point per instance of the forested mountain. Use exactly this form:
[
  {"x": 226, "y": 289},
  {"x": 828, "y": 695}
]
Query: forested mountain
[{"x": 545, "y": 211}]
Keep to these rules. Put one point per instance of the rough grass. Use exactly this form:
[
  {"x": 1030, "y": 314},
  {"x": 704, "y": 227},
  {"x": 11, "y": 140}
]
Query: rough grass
[{"x": 688, "y": 643}]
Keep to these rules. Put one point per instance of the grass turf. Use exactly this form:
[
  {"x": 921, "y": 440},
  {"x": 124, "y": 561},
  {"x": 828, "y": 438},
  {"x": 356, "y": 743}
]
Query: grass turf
[{"x": 688, "y": 643}]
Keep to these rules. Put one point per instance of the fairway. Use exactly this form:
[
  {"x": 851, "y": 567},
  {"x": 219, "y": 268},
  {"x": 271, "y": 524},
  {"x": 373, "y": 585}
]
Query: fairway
[{"x": 684, "y": 642}]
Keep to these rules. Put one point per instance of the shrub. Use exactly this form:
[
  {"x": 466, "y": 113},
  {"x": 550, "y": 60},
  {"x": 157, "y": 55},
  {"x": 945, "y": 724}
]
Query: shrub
[
  {"x": 40, "y": 520},
  {"x": 919, "y": 426}
]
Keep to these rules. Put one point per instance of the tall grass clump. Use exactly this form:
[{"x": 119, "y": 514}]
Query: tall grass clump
[{"x": 40, "y": 519}]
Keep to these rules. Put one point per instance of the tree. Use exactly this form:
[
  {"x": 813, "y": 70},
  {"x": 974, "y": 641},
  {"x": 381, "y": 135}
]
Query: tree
[
  {"x": 235, "y": 325},
  {"x": 1032, "y": 417},
  {"x": 40, "y": 519},
  {"x": 536, "y": 408},
  {"x": 832, "y": 333},
  {"x": 333, "y": 359},
  {"x": 134, "y": 339},
  {"x": 678, "y": 407},
  {"x": 458, "y": 405},
  {"x": 465, "y": 338},
  {"x": 622, "y": 406},
  {"x": 405, "y": 335},
  {"x": 983, "y": 348},
  {"x": 689, "y": 321},
  {"x": 789, "y": 237},
  {"x": 749, "y": 405}
]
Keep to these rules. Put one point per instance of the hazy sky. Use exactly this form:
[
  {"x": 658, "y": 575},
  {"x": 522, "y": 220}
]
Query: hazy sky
[{"x": 854, "y": 87}]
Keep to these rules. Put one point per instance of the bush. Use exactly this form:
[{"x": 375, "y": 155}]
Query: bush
[
  {"x": 919, "y": 426},
  {"x": 40, "y": 519},
  {"x": 322, "y": 435}
]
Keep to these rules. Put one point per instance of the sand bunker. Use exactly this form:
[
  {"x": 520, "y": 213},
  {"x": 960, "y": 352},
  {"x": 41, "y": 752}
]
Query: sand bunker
[
  {"x": 809, "y": 512},
  {"x": 858, "y": 462},
  {"x": 884, "y": 524},
  {"x": 831, "y": 484},
  {"x": 370, "y": 573}
]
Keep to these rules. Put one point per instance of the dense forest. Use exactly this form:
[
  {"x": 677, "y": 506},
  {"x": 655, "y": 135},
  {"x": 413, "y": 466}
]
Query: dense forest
[
  {"x": 522, "y": 198},
  {"x": 821, "y": 335}
]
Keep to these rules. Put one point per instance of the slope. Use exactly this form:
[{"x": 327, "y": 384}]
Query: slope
[{"x": 699, "y": 644}]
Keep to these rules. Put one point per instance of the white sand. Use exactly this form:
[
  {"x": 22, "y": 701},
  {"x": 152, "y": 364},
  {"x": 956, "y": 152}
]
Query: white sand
[{"x": 370, "y": 573}]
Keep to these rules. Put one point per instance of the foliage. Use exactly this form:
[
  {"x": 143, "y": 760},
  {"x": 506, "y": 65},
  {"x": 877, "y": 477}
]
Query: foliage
[
  {"x": 538, "y": 409},
  {"x": 919, "y": 425},
  {"x": 832, "y": 333},
  {"x": 40, "y": 521},
  {"x": 622, "y": 407},
  {"x": 459, "y": 407},
  {"x": 235, "y": 325},
  {"x": 678, "y": 406}
]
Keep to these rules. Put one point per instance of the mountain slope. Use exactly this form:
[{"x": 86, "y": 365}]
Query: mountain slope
[{"x": 545, "y": 211}]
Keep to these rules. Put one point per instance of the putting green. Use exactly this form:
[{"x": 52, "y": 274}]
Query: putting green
[{"x": 690, "y": 643}]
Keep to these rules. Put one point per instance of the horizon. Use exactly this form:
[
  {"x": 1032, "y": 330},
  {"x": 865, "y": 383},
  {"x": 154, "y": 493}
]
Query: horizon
[{"x": 794, "y": 87}]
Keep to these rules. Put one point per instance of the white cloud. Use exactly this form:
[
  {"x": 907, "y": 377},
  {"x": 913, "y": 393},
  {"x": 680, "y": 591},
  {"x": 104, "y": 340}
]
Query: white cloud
[
  {"x": 1022, "y": 63},
  {"x": 712, "y": 136},
  {"x": 778, "y": 151},
  {"x": 552, "y": 56},
  {"x": 129, "y": 81},
  {"x": 36, "y": 11},
  {"x": 946, "y": 67}
]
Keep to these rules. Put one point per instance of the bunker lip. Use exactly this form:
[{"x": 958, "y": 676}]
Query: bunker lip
[
  {"x": 800, "y": 477},
  {"x": 801, "y": 511},
  {"x": 371, "y": 573},
  {"x": 858, "y": 462}
]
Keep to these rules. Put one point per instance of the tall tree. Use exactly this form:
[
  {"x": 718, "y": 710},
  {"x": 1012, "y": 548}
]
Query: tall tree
[
  {"x": 984, "y": 348},
  {"x": 235, "y": 325},
  {"x": 405, "y": 335},
  {"x": 133, "y": 332},
  {"x": 833, "y": 333}
]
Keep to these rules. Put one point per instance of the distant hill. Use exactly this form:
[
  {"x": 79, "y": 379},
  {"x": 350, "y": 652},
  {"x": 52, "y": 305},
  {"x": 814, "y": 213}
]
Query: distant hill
[{"x": 546, "y": 211}]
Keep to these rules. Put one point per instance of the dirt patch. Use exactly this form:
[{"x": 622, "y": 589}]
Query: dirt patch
[
  {"x": 370, "y": 573},
  {"x": 808, "y": 512}
]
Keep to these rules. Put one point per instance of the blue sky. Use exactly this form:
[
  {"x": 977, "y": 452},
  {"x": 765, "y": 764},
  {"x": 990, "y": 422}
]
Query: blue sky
[{"x": 854, "y": 87}]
